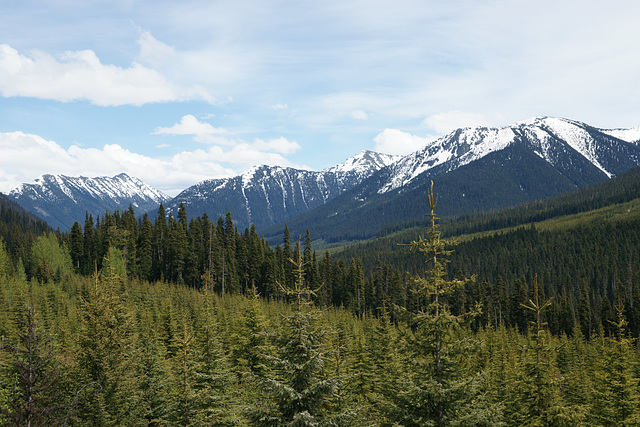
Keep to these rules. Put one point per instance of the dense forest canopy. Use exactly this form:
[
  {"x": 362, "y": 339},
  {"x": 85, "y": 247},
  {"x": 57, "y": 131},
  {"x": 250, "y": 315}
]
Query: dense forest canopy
[{"x": 173, "y": 321}]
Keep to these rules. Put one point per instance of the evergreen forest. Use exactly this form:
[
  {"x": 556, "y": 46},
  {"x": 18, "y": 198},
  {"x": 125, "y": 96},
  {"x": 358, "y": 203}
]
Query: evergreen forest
[{"x": 523, "y": 317}]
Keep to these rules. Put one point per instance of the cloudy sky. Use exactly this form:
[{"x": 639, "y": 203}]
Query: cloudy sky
[{"x": 175, "y": 92}]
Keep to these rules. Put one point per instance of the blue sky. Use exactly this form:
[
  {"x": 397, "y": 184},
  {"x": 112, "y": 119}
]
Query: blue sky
[{"x": 175, "y": 92}]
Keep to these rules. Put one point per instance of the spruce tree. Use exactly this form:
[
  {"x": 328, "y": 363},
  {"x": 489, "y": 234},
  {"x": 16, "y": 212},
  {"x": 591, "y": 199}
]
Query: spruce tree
[
  {"x": 541, "y": 402},
  {"x": 299, "y": 394},
  {"x": 77, "y": 251},
  {"x": 440, "y": 388},
  {"x": 108, "y": 349},
  {"x": 616, "y": 396},
  {"x": 214, "y": 384},
  {"x": 35, "y": 398}
]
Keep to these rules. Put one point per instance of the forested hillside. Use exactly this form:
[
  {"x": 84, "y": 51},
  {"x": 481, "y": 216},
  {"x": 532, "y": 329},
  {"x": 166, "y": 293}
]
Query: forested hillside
[
  {"x": 170, "y": 321},
  {"x": 18, "y": 229}
]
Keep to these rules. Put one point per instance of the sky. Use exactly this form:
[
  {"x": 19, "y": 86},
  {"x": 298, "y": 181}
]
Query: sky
[{"x": 176, "y": 92}]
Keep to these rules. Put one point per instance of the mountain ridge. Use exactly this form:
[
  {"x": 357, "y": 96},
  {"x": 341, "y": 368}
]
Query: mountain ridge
[
  {"x": 61, "y": 200},
  {"x": 477, "y": 168},
  {"x": 265, "y": 195}
]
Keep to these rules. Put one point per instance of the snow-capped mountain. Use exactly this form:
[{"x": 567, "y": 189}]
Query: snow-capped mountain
[
  {"x": 474, "y": 169},
  {"x": 477, "y": 169},
  {"x": 61, "y": 200},
  {"x": 363, "y": 164},
  {"x": 558, "y": 141},
  {"x": 265, "y": 195}
]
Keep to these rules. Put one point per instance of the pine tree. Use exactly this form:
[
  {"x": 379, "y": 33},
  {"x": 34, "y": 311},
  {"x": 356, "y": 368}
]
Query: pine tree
[
  {"x": 49, "y": 260},
  {"x": 251, "y": 343},
  {"x": 539, "y": 387},
  {"x": 36, "y": 396},
  {"x": 129, "y": 234},
  {"x": 214, "y": 385},
  {"x": 184, "y": 365},
  {"x": 89, "y": 245},
  {"x": 299, "y": 395},
  {"x": 145, "y": 249},
  {"x": 616, "y": 393},
  {"x": 154, "y": 373},
  {"x": 440, "y": 387},
  {"x": 160, "y": 238},
  {"x": 5, "y": 261},
  {"x": 231, "y": 277},
  {"x": 108, "y": 351},
  {"x": 77, "y": 251}
]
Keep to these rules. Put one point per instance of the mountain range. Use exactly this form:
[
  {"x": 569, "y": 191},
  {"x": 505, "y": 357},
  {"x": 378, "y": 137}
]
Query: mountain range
[
  {"x": 62, "y": 200},
  {"x": 475, "y": 169},
  {"x": 266, "y": 195}
]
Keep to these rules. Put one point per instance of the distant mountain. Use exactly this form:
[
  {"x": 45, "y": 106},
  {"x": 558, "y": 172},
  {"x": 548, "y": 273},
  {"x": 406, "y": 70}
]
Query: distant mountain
[
  {"x": 475, "y": 169},
  {"x": 61, "y": 200},
  {"x": 265, "y": 195}
]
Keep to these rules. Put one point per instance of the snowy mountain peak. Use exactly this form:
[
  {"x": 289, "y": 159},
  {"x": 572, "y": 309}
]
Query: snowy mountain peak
[
  {"x": 121, "y": 186},
  {"x": 265, "y": 195},
  {"x": 366, "y": 160},
  {"x": 61, "y": 200},
  {"x": 550, "y": 138}
]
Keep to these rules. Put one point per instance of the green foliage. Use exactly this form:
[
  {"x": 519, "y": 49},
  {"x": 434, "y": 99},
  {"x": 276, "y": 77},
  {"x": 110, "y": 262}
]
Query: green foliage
[
  {"x": 299, "y": 396},
  {"x": 149, "y": 338},
  {"x": 49, "y": 259},
  {"x": 35, "y": 394},
  {"x": 5, "y": 261},
  {"x": 109, "y": 352},
  {"x": 616, "y": 393},
  {"x": 439, "y": 388}
]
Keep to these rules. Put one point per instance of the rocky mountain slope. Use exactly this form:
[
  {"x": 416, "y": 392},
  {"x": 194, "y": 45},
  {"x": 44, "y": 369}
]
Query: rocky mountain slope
[
  {"x": 476, "y": 169},
  {"x": 61, "y": 200},
  {"x": 265, "y": 195}
]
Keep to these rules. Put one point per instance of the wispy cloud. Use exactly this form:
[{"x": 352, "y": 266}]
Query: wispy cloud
[
  {"x": 359, "y": 115},
  {"x": 190, "y": 125}
]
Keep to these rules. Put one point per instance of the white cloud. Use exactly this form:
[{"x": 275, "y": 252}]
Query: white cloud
[
  {"x": 443, "y": 123},
  {"x": 394, "y": 141},
  {"x": 25, "y": 157},
  {"x": 279, "y": 145},
  {"x": 79, "y": 75},
  {"x": 190, "y": 125},
  {"x": 153, "y": 51},
  {"x": 204, "y": 132},
  {"x": 280, "y": 106}
]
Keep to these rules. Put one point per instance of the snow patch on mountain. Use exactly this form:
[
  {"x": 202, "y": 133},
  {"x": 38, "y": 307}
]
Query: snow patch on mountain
[
  {"x": 119, "y": 187},
  {"x": 364, "y": 162},
  {"x": 629, "y": 135},
  {"x": 459, "y": 148},
  {"x": 574, "y": 134},
  {"x": 264, "y": 195},
  {"x": 61, "y": 200},
  {"x": 545, "y": 135}
]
